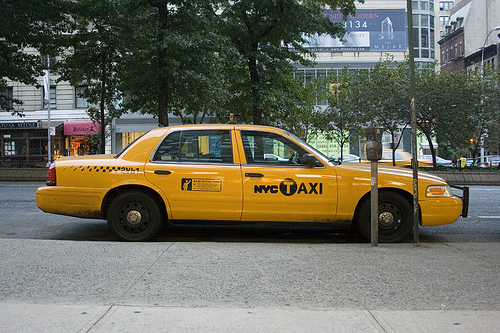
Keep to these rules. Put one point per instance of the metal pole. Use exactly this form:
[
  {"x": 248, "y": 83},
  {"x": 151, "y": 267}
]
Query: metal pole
[
  {"x": 413, "y": 114},
  {"x": 49, "y": 141},
  {"x": 374, "y": 203}
]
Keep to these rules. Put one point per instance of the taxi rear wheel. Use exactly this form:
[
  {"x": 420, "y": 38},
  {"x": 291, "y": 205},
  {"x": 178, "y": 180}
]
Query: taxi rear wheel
[
  {"x": 395, "y": 218},
  {"x": 135, "y": 216}
]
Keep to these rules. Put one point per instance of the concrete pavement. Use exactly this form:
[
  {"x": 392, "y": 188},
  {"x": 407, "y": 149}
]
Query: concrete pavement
[
  {"x": 65, "y": 318},
  {"x": 85, "y": 286}
]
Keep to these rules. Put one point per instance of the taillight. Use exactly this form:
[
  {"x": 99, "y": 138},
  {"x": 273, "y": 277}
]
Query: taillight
[{"x": 51, "y": 175}]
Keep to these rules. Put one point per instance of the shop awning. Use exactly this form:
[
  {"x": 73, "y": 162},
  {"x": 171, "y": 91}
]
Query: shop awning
[{"x": 80, "y": 127}]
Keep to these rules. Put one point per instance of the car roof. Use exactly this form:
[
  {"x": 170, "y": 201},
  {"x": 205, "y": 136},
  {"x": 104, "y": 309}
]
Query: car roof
[{"x": 222, "y": 126}]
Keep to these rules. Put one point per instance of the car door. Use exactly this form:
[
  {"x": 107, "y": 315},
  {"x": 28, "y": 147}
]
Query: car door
[
  {"x": 278, "y": 187},
  {"x": 195, "y": 169}
]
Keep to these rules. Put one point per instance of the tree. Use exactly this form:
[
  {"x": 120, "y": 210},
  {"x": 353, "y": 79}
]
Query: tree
[
  {"x": 341, "y": 120},
  {"x": 25, "y": 24},
  {"x": 92, "y": 57},
  {"x": 383, "y": 95},
  {"x": 297, "y": 109},
  {"x": 445, "y": 106},
  {"x": 173, "y": 59},
  {"x": 268, "y": 36}
]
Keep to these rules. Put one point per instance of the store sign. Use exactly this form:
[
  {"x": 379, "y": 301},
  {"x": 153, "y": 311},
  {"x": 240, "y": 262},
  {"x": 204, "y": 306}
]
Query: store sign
[
  {"x": 375, "y": 30},
  {"x": 19, "y": 125},
  {"x": 80, "y": 127}
]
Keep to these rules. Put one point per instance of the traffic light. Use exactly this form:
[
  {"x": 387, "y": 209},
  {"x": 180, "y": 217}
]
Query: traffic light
[{"x": 471, "y": 141}]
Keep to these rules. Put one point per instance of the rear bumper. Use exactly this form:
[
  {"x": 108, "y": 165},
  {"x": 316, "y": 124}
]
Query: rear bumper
[{"x": 79, "y": 202}]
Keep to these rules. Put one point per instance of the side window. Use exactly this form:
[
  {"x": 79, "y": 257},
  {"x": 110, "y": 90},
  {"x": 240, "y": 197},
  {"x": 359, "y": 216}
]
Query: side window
[
  {"x": 271, "y": 149},
  {"x": 169, "y": 148},
  {"x": 200, "y": 146}
]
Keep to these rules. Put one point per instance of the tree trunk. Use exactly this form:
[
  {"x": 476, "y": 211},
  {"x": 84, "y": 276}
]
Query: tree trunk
[
  {"x": 102, "y": 125},
  {"x": 163, "y": 99},
  {"x": 254, "y": 83}
]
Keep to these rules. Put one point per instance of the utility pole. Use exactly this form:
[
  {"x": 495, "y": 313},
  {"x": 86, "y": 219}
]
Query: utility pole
[{"x": 413, "y": 116}]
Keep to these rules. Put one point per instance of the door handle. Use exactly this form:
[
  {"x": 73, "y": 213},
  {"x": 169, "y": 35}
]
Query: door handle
[
  {"x": 162, "y": 172},
  {"x": 253, "y": 174}
]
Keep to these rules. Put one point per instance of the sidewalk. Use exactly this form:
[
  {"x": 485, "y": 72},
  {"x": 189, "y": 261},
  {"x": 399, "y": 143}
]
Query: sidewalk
[
  {"x": 50, "y": 286},
  {"x": 55, "y": 318}
]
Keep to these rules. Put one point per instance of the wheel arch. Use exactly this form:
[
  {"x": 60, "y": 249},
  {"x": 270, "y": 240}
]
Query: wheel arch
[
  {"x": 108, "y": 198},
  {"x": 408, "y": 196}
]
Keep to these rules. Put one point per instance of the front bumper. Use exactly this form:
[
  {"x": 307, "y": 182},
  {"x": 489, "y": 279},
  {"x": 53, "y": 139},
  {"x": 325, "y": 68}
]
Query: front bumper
[{"x": 465, "y": 199}]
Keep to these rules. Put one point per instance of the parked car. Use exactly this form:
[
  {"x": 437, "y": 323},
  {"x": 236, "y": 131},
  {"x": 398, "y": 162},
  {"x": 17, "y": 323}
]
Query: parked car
[
  {"x": 426, "y": 161},
  {"x": 489, "y": 161},
  {"x": 345, "y": 158},
  {"x": 220, "y": 174}
]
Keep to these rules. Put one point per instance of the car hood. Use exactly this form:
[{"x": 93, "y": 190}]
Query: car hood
[{"x": 388, "y": 173}]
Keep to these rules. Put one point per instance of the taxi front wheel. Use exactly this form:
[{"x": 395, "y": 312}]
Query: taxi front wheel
[
  {"x": 395, "y": 218},
  {"x": 134, "y": 216}
]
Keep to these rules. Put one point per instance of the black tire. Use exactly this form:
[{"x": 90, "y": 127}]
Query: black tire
[
  {"x": 135, "y": 216},
  {"x": 395, "y": 218}
]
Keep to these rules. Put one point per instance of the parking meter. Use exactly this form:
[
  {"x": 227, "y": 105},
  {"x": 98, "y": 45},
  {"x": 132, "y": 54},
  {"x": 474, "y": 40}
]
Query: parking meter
[{"x": 374, "y": 143}]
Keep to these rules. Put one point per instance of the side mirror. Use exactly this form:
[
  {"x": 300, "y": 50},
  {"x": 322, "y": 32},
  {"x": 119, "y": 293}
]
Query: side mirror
[{"x": 309, "y": 160}]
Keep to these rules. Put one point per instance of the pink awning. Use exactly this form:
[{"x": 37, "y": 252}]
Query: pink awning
[{"x": 80, "y": 127}]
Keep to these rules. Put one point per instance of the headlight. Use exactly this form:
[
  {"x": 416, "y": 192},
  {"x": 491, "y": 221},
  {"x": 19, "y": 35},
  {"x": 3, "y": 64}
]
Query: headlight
[{"x": 438, "y": 191}]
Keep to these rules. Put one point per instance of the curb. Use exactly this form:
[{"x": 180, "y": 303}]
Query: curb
[{"x": 23, "y": 174}]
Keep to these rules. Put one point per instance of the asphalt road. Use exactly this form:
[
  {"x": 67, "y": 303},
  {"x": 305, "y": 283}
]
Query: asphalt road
[
  {"x": 62, "y": 274},
  {"x": 21, "y": 219}
]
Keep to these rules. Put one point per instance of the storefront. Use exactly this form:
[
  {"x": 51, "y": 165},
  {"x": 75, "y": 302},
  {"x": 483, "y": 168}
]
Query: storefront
[
  {"x": 80, "y": 137},
  {"x": 26, "y": 142}
]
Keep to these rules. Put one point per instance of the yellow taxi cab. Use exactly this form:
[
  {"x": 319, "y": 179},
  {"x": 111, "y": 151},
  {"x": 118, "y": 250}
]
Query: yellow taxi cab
[{"x": 237, "y": 173}]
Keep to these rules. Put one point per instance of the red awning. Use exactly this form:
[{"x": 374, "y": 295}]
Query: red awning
[{"x": 80, "y": 127}]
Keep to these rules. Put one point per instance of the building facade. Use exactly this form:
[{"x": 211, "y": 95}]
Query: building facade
[
  {"x": 470, "y": 35},
  {"x": 379, "y": 29}
]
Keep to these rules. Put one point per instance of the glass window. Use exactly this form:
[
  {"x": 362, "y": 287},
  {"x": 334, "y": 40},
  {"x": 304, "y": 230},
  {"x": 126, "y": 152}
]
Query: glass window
[
  {"x": 80, "y": 100},
  {"x": 310, "y": 75},
  {"x": 424, "y": 37},
  {"x": 445, "y": 5},
  {"x": 416, "y": 40},
  {"x": 416, "y": 20},
  {"x": 271, "y": 149},
  {"x": 6, "y": 98},
  {"x": 200, "y": 146},
  {"x": 38, "y": 146},
  {"x": 424, "y": 5},
  {"x": 424, "y": 20},
  {"x": 169, "y": 148},
  {"x": 14, "y": 147}
]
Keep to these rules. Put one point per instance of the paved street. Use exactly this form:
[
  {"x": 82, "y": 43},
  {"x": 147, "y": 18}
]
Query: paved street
[{"x": 61, "y": 274}]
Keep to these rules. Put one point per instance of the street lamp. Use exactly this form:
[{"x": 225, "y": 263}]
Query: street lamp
[
  {"x": 484, "y": 46},
  {"x": 482, "y": 76}
]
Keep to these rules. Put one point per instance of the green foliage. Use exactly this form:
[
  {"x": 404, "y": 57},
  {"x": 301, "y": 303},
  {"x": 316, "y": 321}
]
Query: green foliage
[
  {"x": 342, "y": 119},
  {"x": 262, "y": 33},
  {"x": 26, "y": 24}
]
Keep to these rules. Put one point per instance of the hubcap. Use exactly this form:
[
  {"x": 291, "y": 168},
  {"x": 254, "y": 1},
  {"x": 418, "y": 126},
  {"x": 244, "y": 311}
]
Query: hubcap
[
  {"x": 134, "y": 217},
  {"x": 386, "y": 219}
]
